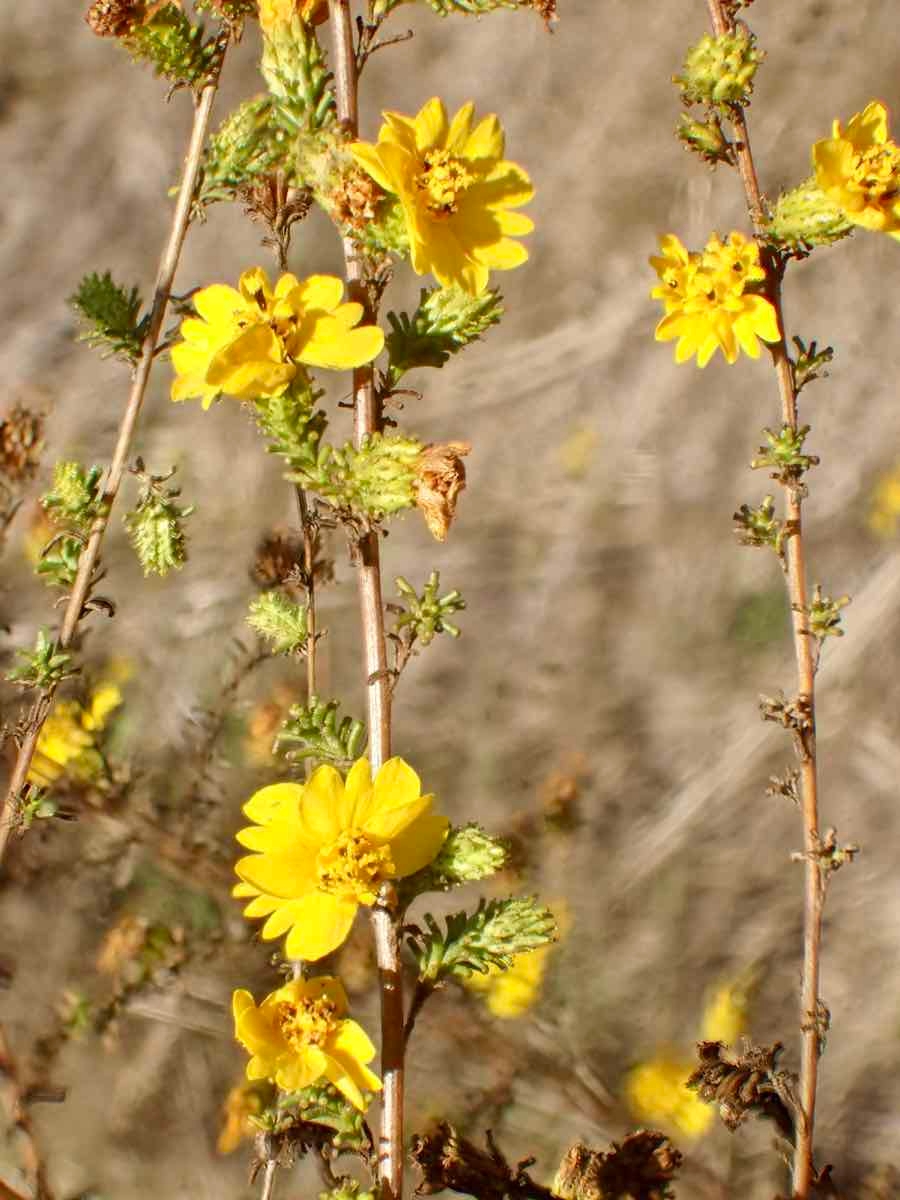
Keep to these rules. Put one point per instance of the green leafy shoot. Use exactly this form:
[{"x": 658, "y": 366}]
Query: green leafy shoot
[
  {"x": 486, "y": 939},
  {"x": 110, "y": 315},
  {"x": 313, "y": 731}
]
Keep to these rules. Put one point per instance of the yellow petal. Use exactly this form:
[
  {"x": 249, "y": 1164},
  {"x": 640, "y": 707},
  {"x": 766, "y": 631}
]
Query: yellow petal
[
  {"x": 868, "y": 128},
  {"x": 276, "y": 800},
  {"x": 503, "y": 255},
  {"x": 323, "y": 926},
  {"x": 261, "y": 906},
  {"x": 254, "y": 286},
  {"x": 400, "y": 130},
  {"x": 301, "y": 1070},
  {"x": 460, "y": 129},
  {"x": 431, "y": 125},
  {"x": 351, "y": 349},
  {"x": 281, "y": 919},
  {"x": 241, "y": 1001},
  {"x": 506, "y": 185},
  {"x": 418, "y": 845},
  {"x": 369, "y": 158},
  {"x": 486, "y": 139},
  {"x": 319, "y": 291},
  {"x": 352, "y": 1041},
  {"x": 319, "y": 986},
  {"x": 514, "y": 224},
  {"x": 357, "y": 786},
  {"x": 337, "y": 1074},
  {"x": 286, "y": 875},
  {"x": 322, "y": 804},
  {"x": 219, "y": 303}
]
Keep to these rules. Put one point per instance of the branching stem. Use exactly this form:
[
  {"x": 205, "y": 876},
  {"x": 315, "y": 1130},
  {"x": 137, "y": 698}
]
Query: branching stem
[
  {"x": 804, "y": 651},
  {"x": 367, "y": 420},
  {"x": 87, "y": 563},
  {"x": 20, "y": 1120}
]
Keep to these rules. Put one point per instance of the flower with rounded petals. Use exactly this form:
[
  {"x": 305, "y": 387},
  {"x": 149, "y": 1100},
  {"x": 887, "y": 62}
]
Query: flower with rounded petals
[
  {"x": 252, "y": 340},
  {"x": 707, "y": 302},
  {"x": 858, "y": 169},
  {"x": 456, "y": 191},
  {"x": 300, "y": 1034},
  {"x": 273, "y": 13},
  {"x": 323, "y": 848}
]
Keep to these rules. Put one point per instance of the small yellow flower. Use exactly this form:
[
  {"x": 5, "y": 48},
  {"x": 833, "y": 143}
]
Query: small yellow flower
[
  {"x": 323, "y": 848},
  {"x": 300, "y": 1034},
  {"x": 858, "y": 169},
  {"x": 67, "y": 742},
  {"x": 251, "y": 341},
  {"x": 725, "y": 1014},
  {"x": 707, "y": 306},
  {"x": 456, "y": 190},
  {"x": 884, "y": 512},
  {"x": 273, "y": 13},
  {"x": 511, "y": 993},
  {"x": 243, "y": 1102},
  {"x": 657, "y": 1094}
]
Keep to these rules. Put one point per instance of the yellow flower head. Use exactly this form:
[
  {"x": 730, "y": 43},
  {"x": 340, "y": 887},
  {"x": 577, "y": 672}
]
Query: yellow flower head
[
  {"x": 243, "y": 1102},
  {"x": 707, "y": 306},
  {"x": 250, "y": 341},
  {"x": 67, "y": 741},
  {"x": 512, "y": 992},
  {"x": 456, "y": 190},
  {"x": 301, "y": 1033},
  {"x": 657, "y": 1093},
  {"x": 858, "y": 169},
  {"x": 323, "y": 848},
  {"x": 884, "y": 511},
  {"x": 273, "y": 13}
]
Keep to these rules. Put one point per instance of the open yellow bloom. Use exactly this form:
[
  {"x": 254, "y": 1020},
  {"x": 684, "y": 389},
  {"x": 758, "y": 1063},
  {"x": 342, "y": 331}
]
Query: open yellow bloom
[
  {"x": 456, "y": 190},
  {"x": 67, "y": 742},
  {"x": 858, "y": 169},
  {"x": 273, "y": 13},
  {"x": 250, "y": 341},
  {"x": 706, "y": 302},
  {"x": 657, "y": 1093},
  {"x": 323, "y": 848},
  {"x": 300, "y": 1034}
]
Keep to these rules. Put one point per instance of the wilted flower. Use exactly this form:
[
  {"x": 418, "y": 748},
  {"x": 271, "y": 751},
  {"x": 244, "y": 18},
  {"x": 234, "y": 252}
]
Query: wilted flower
[
  {"x": 707, "y": 302},
  {"x": 323, "y": 848},
  {"x": 300, "y": 1034},
  {"x": 251, "y": 341},
  {"x": 858, "y": 169},
  {"x": 456, "y": 191},
  {"x": 440, "y": 475}
]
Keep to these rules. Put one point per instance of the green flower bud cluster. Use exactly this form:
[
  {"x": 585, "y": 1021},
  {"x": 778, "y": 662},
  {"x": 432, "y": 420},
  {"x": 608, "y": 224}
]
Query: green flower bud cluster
[
  {"x": 720, "y": 70},
  {"x": 810, "y": 362},
  {"x": 759, "y": 526},
  {"x": 249, "y": 144},
  {"x": 784, "y": 452},
  {"x": 294, "y": 69},
  {"x": 447, "y": 320},
  {"x": 376, "y": 479},
  {"x": 280, "y": 621},
  {"x": 74, "y": 499},
  {"x": 706, "y": 138},
  {"x": 825, "y": 615},
  {"x": 313, "y": 731},
  {"x": 487, "y": 939},
  {"x": 426, "y": 615},
  {"x": 804, "y": 218},
  {"x": 175, "y": 48},
  {"x": 111, "y": 316},
  {"x": 155, "y": 525},
  {"x": 45, "y": 666}
]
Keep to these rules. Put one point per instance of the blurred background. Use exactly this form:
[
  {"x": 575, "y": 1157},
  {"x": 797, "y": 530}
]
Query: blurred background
[{"x": 601, "y": 708}]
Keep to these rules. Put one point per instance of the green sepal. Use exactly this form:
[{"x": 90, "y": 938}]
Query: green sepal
[
  {"x": 58, "y": 564},
  {"x": 248, "y": 145},
  {"x": 323, "y": 1105},
  {"x": 804, "y": 218},
  {"x": 293, "y": 66},
  {"x": 175, "y": 48}
]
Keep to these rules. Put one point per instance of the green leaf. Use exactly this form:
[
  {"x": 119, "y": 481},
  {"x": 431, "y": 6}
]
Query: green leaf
[
  {"x": 489, "y": 938},
  {"x": 467, "y": 856},
  {"x": 447, "y": 320},
  {"x": 111, "y": 316},
  {"x": 426, "y": 615},
  {"x": 45, "y": 666},
  {"x": 280, "y": 621}
]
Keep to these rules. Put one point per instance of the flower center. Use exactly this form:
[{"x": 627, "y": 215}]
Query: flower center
[
  {"x": 306, "y": 1022},
  {"x": 353, "y": 866},
  {"x": 442, "y": 182},
  {"x": 876, "y": 171}
]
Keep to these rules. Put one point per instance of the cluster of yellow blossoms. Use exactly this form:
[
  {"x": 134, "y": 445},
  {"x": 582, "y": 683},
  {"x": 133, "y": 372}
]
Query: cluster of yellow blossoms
[
  {"x": 320, "y": 851},
  {"x": 707, "y": 303},
  {"x": 858, "y": 169},
  {"x": 67, "y": 743}
]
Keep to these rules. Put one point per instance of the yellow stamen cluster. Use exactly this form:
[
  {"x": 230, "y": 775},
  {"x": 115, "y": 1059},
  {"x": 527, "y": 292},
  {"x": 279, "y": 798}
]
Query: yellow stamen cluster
[
  {"x": 443, "y": 180},
  {"x": 858, "y": 169},
  {"x": 707, "y": 305},
  {"x": 353, "y": 866},
  {"x": 309, "y": 1021}
]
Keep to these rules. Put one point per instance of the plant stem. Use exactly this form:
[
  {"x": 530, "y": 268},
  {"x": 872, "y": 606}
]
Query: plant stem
[
  {"x": 11, "y": 1090},
  {"x": 90, "y": 555},
  {"x": 367, "y": 420},
  {"x": 795, "y": 570},
  {"x": 268, "y": 1186}
]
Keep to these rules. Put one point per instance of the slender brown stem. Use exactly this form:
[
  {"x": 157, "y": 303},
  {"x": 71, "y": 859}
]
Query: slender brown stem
[
  {"x": 20, "y": 1120},
  {"x": 367, "y": 420},
  {"x": 90, "y": 555},
  {"x": 804, "y": 652},
  {"x": 309, "y": 583},
  {"x": 268, "y": 1186}
]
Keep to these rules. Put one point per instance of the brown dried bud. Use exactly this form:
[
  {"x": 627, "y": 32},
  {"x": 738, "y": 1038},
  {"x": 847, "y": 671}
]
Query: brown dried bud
[
  {"x": 547, "y": 10},
  {"x": 439, "y": 478},
  {"x": 744, "y": 1084},
  {"x": 447, "y": 1160},
  {"x": 279, "y": 556},
  {"x": 641, "y": 1168},
  {"x": 114, "y": 18},
  {"x": 354, "y": 200},
  {"x": 21, "y": 442}
]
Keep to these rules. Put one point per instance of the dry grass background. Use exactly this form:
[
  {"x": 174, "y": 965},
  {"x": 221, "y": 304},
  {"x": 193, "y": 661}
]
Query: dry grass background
[{"x": 613, "y": 622}]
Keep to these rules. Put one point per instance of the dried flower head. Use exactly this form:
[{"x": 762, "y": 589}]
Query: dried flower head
[
  {"x": 746, "y": 1082},
  {"x": 354, "y": 200},
  {"x": 21, "y": 442},
  {"x": 279, "y": 555},
  {"x": 642, "y": 1168},
  {"x": 440, "y": 476},
  {"x": 114, "y": 18}
]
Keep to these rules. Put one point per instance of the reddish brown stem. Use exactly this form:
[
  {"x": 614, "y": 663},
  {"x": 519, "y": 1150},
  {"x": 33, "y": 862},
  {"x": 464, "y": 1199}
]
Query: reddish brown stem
[
  {"x": 804, "y": 653},
  {"x": 90, "y": 555}
]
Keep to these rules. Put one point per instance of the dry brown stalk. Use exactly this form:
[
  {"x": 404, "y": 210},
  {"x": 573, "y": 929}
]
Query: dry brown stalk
[
  {"x": 91, "y": 553},
  {"x": 19, "y": 1118},
  {"x": 367, "y": 420},
  {"x": 803, "y": 1169}
]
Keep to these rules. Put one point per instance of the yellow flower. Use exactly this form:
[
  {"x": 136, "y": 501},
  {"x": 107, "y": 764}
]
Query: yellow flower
[
  {"x": 657, "y": 1094},
  {"x": 251, "y": 340},
  {"x": 884, "y": 513},
  {"x": 243, "y": 1102},
  {"x": 67, "y": 741},
  {"x": 511, "y": 993},
  {"x": 725, "y": 1014},
  {"x": 456, "y": 190},
  {"x": 707, "y": 306},
  {"x": 273, "y": 13},
  {"x": 858, "y": 169},
  {"x": 300, "y": 1034},
  {"x": 323, "y": 848}
]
